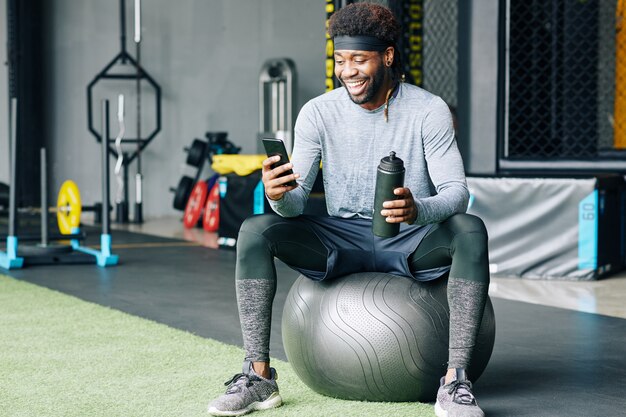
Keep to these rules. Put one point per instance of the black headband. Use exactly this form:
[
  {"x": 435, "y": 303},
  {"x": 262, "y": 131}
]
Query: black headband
[{"x": 360, "y": 43}]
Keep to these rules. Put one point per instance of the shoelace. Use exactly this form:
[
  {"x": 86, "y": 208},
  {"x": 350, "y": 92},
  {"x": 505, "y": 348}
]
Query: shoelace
[
  {"x": 234, "y": 383},
  {"x": 461, "y": 394}
]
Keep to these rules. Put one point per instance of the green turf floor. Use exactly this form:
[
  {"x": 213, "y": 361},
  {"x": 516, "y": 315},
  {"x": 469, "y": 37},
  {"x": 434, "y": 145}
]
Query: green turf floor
[{"x": 61, "y": 356}]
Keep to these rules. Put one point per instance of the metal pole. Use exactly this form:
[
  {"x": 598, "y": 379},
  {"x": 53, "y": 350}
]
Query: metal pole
[
  {"x": 44, "y": 199},
  {"x": 262, "y": 103},
  {"x": 464, "y": 82},
  {"x": 274, "y": 105},
  {"x": 125, "y": 203},
  {"x": 105, "y": 168},
  {"x": 11, "y": 41},
  {"x": 289, "y": 75},
  {"x": 123, "y": 28},
  {"x": 138, "y": 218},
  {"x": 138, "y": 92},
  {"x": 137, "y": 21},
  {"x": 281, "y": 105},
  {"x": 13, "y": 168}
]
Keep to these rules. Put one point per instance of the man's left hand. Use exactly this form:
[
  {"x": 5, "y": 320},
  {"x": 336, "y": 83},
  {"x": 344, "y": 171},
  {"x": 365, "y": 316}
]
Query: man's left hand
[{"x": 402, "y": 210}]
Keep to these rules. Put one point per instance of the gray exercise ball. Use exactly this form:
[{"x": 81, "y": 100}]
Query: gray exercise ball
[{"x": 374, "y": 336}]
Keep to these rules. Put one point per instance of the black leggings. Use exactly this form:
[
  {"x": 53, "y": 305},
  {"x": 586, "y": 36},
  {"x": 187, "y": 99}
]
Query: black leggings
[{"x": 460, "y": 241}]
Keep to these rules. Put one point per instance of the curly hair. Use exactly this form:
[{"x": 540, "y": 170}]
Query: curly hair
[{"x": 368, "y": 19}]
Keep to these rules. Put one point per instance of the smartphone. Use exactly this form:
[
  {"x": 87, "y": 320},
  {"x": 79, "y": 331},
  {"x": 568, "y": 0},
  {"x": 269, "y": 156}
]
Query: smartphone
[{"x": 277, "y": 147}]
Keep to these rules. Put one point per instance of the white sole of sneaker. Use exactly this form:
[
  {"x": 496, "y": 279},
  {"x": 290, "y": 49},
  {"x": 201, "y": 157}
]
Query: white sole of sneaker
[
  {"x": 272, "y": 401},
  {"x": 440, "y": 412}
]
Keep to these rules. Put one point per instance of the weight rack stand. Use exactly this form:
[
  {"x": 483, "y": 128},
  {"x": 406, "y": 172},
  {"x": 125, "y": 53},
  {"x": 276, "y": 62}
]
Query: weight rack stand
[{"x": 11, "y": 259}]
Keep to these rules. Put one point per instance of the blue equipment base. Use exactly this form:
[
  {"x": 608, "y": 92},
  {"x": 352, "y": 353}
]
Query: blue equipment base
[{"x": 104, "y": 257}]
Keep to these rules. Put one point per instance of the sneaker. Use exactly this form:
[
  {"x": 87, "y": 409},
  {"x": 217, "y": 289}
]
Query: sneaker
[
  {"x": 456, "y": 399},
  {"x": 247, "y": 392}
]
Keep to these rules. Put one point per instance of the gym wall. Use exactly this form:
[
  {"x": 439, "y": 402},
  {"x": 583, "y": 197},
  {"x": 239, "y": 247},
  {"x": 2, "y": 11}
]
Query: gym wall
[
  {"x": 206, "y": 55},
  {"x": 4, "y": 98}
]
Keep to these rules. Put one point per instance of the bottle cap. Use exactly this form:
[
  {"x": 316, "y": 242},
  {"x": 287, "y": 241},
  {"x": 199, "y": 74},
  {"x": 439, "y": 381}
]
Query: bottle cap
[{"x": 392, "y": 163}]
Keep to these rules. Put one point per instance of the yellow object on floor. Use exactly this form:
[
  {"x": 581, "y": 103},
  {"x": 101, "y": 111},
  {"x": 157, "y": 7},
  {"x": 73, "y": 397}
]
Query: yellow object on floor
[{"x": 239, "y": 164}]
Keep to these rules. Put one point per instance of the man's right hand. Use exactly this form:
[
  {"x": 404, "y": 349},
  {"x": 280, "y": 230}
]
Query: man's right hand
[{"x": 275, "y": 185}]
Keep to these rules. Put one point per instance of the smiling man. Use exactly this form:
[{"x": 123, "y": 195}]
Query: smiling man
[{"x": 349, "y": 130}]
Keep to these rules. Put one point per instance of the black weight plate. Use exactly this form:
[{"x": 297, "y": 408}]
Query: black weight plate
[
  {"x": 182, "y": 192},
  {"x": 197, "y": 153}
]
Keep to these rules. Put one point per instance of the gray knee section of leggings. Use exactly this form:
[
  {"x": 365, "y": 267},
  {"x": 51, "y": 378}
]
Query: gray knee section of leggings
[
  {"x": 256, "y": 287},
  {"x": 254, "y": 299},
  {"x": 467, "y": 303}
]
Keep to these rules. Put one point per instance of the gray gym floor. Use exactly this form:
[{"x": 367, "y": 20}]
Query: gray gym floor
[{"x": 546, "y": 362}]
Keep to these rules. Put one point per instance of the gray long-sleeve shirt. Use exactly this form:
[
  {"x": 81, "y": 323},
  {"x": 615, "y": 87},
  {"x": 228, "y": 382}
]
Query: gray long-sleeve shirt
[{"x": 350, "y": 141}]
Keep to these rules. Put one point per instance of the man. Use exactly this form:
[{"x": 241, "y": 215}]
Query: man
[{"x": 350, "y": 129}]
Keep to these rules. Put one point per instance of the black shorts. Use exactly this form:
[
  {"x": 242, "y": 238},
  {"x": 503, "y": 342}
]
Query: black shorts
[{"x": 352, "y": 247}]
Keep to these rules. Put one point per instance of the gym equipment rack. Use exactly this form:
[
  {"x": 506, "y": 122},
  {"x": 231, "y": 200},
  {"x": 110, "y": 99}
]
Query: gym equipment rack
[
  {"x": 13, "y": 258},
  {"x": 137, "y": 74}
]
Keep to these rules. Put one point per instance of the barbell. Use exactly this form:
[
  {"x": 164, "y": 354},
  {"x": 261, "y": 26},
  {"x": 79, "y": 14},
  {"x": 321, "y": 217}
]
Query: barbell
[{"x": 68, "y": 209}]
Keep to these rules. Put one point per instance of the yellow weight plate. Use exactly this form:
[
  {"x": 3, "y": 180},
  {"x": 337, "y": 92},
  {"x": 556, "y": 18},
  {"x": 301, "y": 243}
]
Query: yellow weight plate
[{"x": 69, "y": 207}]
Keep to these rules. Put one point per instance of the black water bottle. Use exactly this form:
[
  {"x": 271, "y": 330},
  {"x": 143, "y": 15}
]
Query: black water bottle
[{"x": 389, "y": 176}]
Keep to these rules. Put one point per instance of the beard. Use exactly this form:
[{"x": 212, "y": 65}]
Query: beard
[{"x": 373, "y": 87}]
